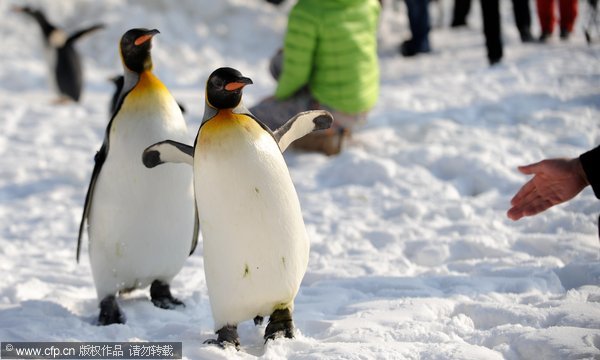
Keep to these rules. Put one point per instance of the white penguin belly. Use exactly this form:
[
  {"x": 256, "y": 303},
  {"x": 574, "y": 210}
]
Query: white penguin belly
[
  {"x": 255, "y": 242},
  {"x": 141, "y": 220}
]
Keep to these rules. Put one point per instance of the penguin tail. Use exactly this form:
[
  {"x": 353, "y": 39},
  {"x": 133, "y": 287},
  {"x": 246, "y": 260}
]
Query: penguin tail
[{"x": 76, "y": 35}]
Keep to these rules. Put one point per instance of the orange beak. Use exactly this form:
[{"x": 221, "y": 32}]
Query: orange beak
[
  {"x": 146, "y": 37},
  {"x": 240, "y": 83},
  {"x": 234, "y": 86}
]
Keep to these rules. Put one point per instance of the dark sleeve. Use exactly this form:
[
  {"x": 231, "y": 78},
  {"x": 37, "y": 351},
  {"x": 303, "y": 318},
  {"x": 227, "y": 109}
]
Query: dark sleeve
[{"x": 590, "y": 161}]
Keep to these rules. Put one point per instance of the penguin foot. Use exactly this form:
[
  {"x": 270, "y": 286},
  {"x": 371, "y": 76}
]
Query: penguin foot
[
  {"x": 110, "y": 313},
  {"x": 226, "y": 336},
  {"x": 62, "y": 100},
  {"x": 280, "y": 324},
  {"x": 160, "y": 293},
  {"x": 258, "y": 320}
]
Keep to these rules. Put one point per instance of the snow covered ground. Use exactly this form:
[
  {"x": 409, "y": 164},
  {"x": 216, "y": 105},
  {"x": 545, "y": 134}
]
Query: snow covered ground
[{"x": 412, "y": 255}]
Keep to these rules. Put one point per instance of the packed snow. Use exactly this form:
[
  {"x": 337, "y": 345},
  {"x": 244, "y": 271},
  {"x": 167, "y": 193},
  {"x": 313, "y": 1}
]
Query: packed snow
[{"x": 412, "y": 255}]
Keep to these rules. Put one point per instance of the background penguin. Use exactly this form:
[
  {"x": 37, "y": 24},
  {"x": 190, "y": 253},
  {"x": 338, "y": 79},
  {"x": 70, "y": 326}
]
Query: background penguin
[
  {"x": 118, "y": 81},
  {"x": 140, "y": 222},
  {"x": 255, "y": 242},
  {"x": 64, "y": 62}
]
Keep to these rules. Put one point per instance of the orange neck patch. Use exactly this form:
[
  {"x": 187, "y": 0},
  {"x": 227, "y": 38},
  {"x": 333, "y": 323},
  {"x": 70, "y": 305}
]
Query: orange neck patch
[{"x": 148, "y": 82}]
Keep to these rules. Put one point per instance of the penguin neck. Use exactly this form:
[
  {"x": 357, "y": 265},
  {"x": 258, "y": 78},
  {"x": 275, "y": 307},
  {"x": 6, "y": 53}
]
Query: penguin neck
[
  {"x": 57, "y": 38},
  {"x": 210, "y": 111},
  {"x": 130, "y": 80},
  {"x": 149, "y": 82}
]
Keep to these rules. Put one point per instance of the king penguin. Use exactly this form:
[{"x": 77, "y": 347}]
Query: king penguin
[
  {"x": 140, "y": 222},
  {"x": 255, "y": 243},
  {"x": 64, "y": 62}
]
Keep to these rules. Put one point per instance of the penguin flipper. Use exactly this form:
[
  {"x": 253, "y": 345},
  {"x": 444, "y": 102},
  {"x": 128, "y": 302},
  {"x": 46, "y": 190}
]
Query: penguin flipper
[
  {"x": 300, "y": 125},
  {"x": 168, "y": 151},
  {"x": 79, "y": 33},
  {"x": 39, "y": 17},
  {"x": 99, "y": 161}
]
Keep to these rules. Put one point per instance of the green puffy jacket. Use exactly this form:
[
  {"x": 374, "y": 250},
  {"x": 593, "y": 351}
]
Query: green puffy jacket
[{"x": 331, "y": 46}]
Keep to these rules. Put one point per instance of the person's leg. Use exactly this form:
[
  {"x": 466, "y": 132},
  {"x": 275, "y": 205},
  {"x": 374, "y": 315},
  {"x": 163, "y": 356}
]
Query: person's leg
[
  {"x": 418, "y": 17},
  {"x": 461, "y": 10},
  {"x": 545, "y": 9},
  {"x": 523, "y": 19},
  {"x": 568, "y": 14},
  {"x": 490, "y": 10}
]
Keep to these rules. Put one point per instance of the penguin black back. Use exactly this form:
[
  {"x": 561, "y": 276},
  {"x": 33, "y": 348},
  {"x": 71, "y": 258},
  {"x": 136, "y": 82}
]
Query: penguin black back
[
  {"x": 224, "y": 88},
  {"x": 118, "y": 80}
]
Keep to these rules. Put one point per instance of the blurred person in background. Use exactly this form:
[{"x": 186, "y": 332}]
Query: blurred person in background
[{"x": 328, "y": 61}]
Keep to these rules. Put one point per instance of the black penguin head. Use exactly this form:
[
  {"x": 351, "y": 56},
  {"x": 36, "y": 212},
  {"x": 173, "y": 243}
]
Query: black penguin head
[
  {"x": 135, "y": 49},
  {"x": 224, "y": 88}
]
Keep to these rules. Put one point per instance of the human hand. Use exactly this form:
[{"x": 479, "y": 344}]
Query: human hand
[{"x": 554, "y": 182}]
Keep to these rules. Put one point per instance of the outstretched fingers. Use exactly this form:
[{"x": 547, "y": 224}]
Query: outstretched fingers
[
  {"x": 534, "y": 168},
  {"x": 528, "y": 200},
  {"x": 525, "y": 191},
  {"x": 531, "y": 204}
]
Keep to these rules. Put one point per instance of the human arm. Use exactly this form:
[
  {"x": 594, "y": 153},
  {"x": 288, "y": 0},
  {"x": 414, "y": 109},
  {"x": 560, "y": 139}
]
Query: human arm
[{"x": 554, "y": 182}]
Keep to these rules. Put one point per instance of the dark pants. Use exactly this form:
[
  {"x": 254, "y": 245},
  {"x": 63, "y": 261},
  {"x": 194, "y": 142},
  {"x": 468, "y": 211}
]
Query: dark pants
[
  {"x": 490, "y": 10},
  {"x": 521, "y": 11},
  {"x": 492, "y": 30},
  {"x": 461, "y": 10},
  {"x": 522, "y": 16},
  {"x": 418, "y": 17}
]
